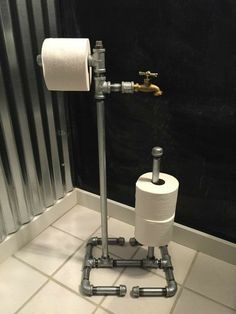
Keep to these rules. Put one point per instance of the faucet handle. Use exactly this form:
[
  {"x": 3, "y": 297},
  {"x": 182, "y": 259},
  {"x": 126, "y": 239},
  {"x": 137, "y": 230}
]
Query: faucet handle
[{"x": 147, "y": 74}]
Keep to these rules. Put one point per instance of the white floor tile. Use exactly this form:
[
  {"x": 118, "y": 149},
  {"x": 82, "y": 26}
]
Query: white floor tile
[
  {"x": 148, "y": 305},
  {"x": 70, "y": 274},
  {"x": 121, "y": 229},
  {"x": 18, "y": 283},
  {"x": 190, "y": 302},
  {"x": 214, "y": 278},
  {"x": 55, "y": 299},
  {"x": 79, "y": 221},
  {"x": 209, "y": 276},
  {"x": 49, "y": 250},
  {"x": 118, "y": 228},
  {"x": 181, "y": 258},
  {"x": 102, "y": 311},
  {"x": 125, "y": 251}
]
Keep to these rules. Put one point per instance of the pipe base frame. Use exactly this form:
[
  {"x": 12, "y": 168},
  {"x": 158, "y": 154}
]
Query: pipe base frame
[{"x": 91, "y": 262}]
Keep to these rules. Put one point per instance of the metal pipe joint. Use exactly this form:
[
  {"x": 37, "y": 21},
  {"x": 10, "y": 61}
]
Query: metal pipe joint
[
  {"x": 123, "y": 87},
  {"x": 150, "y": 262}
]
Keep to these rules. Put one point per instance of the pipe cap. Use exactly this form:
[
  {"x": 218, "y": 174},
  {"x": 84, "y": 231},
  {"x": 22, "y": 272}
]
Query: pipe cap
[
  {"x": 157, "y": 152},
  {"x": 135, "y": 292},
  {"x": 123, "y": 290}
]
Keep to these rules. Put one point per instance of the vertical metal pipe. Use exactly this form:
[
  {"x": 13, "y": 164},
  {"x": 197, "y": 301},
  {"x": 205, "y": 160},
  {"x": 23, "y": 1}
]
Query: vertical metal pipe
[
  {"x": 102, "y": 174},
  {"x": 150, "y": 252},
  {"x": 157, "y": 152},
  {"x": 164, "y": 251},
  {"x": 155, "y": 170},
  {"x": 2, "y": 227}
]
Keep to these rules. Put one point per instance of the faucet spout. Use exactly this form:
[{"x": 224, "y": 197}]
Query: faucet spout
[{"x": 147, "y": 86}]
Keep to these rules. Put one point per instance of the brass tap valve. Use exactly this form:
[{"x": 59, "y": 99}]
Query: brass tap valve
[{"x": 147, "y": 86}]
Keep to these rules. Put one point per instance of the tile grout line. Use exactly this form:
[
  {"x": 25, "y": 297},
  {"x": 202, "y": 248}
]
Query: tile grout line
[
  {"x": 71, "y": 256},
  {"x": 99, "y": 305},
  {"x": 160, "y": 275},
  {"x": 31, "y": 297},
  {"x": 212, "y": 300},
  {"x": 68, "y": 258},
  {"x": 121, "y": 273},
  {"x": 31, "y": 266},
  {"x": 63, "y": 214},
  {"x": 50, "y": 277},
  {"x": 147, "y": 269},
  {"x": 183, "y": 284},
  {"x": 104, "y": 309},
  {"x": 204, "y": 296},
  {"x": 77, "y": 204},
  {"x": 73, "y": 291},
  {"x": 68, "y": 233},
  {"x": 95, "y": 310},
  {"x": 76, "y": 237}
]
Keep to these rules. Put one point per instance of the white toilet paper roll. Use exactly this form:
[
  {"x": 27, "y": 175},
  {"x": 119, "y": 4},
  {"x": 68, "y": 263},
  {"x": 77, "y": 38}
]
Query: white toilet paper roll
[
  {"x": 153, "y": 233},
  {"x": 156, "y": 202},
  {"x": 65, "y": 64}
]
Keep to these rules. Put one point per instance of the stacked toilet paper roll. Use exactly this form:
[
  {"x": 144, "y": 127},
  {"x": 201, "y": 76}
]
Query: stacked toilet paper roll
[
  {"x": 155, "y": 209},
  {"x": 65, "y": 64}
]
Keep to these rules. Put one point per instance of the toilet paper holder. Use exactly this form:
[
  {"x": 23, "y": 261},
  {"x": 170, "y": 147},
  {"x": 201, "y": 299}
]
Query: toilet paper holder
[{"x": 102, "y": 87}]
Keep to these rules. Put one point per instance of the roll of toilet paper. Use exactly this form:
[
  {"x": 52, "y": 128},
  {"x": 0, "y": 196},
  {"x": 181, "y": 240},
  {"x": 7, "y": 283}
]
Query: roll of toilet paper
[
  {"x": 153, "y": 233},
  {"x": 156, "y": 202},
  {"x": 65, "y": 64}
]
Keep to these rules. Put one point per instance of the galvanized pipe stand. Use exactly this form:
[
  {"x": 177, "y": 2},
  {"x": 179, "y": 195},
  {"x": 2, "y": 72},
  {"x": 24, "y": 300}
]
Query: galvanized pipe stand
[{"x": 97, "y": 61}]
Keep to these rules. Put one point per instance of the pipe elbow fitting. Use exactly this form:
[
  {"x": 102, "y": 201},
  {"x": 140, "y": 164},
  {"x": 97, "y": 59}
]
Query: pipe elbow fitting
[
  {"x": 86, "y": 288},
  {"x": 93, "y": 241},
  {"x": 171, "y": 289}
]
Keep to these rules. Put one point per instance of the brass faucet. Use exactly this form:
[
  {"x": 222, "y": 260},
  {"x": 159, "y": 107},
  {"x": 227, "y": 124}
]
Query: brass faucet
[{"x": 147, "y": 86}]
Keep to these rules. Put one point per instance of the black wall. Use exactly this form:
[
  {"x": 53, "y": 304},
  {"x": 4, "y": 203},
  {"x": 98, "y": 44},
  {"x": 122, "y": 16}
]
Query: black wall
[{"x": 192, "y": 46}]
